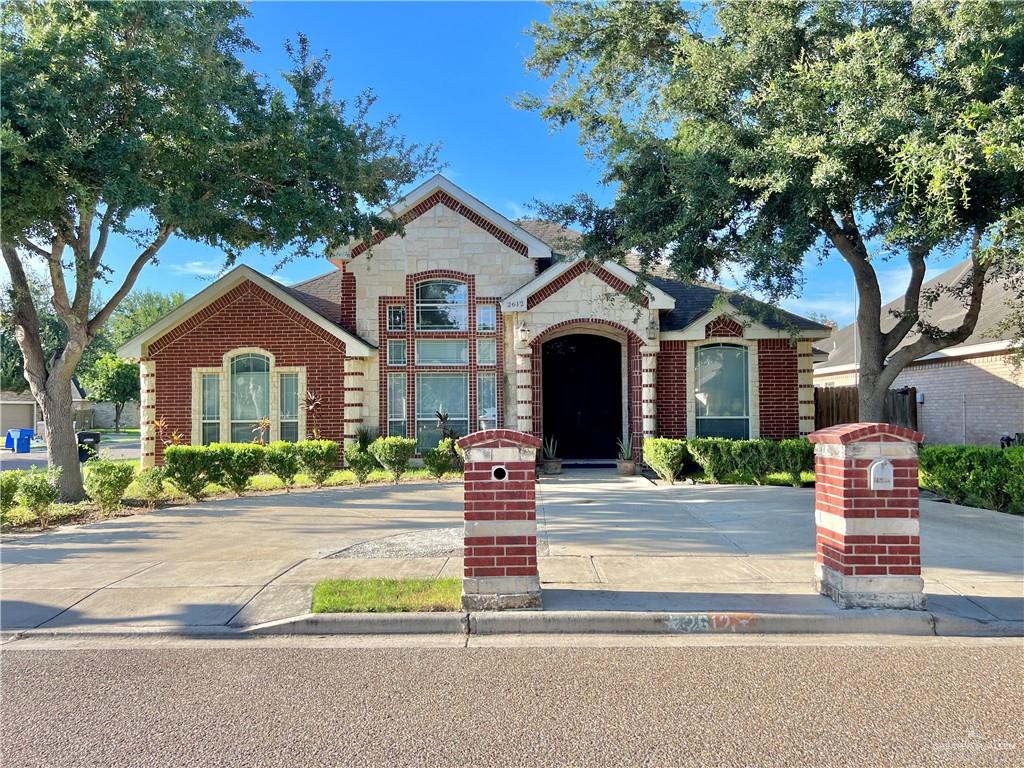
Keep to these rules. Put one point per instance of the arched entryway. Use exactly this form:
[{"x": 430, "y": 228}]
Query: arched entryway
[{"x": 583, "y": 394}]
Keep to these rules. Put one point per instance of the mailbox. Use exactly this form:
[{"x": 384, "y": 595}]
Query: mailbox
[{"x": 880, "y": 476}]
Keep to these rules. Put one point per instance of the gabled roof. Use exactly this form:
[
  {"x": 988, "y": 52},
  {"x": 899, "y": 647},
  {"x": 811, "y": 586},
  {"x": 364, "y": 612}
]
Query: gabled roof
[
  {"x": 518, "y": 300},
  {"x": 304, "y": 302},
  {"x": 947, "y": 312},
  {"x": 322, "y": 294},
  {"x": 439, "y": 190}
]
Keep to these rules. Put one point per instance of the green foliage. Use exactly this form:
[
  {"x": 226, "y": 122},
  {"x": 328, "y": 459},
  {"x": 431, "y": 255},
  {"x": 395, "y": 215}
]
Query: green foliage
[
  {"x": 795, "y": 456},
  {"x": 715, "y": 455},
  {"x": 10, "y": 479},
  {"x": 239, "y": 463},
  {"x": 150, "y": 483},
  {"x": 360, "y": 461},
  {"x": 549, "y": 447},
  {"x": 139, "y": 310},
  {"x": 115, "y": 379},
  {"x": 756, "y": 136},
  {"x": 319, "y": 459},
  {"x": 625, "y": 449},
  {"x": 394, "y": 454},
  {"x": 191, "y": 468},
  {"x": 38, "y": 491},
  {"x": 106, "y": 482},
  {"x": 282, "y": 461},
  {"x": 666, "y": 456},
  {"x": 973, "y": 474},
  {"x": 753, "y": 458},
  {"x": 438, "y": 461}
]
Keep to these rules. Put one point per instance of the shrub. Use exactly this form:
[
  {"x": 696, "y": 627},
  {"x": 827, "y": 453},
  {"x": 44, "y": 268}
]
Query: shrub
[
  {"x": 239, "y": 463},
  {"x": 38, "y": 491},
  {"x": 106, "y": 482},
  {"x": 438, "y": 461},
  {"x": 282, "y": 461},
  {"x": 665, "y": 456},
  {"x": 753, "y": 458},
  {"x": 151, "y": 485},
  {"x": 976, "y": 474},
  {"x": 191, "y": 468},
  {"x": 9, "y": 482},
  {"x": 360, "y": 461},
  {"x": 319, "y": 458},
  {"x": 715, "y": 456},
  {"x": 394, "y": 454},
  {"x": 794, "y": 457}
]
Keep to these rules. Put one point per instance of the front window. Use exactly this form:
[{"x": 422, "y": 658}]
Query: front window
[
  {"x": 442, "y": 305},
  {"x": 250, "y": 395},
  {"x": 486, "y": 318},
  {"x": 396, "y": 317},
  {"x": 438, "y": 352},
  {"x": 396, "y": 404},
  {"x": 444, "y": 393},
  {"x": 210, "y": 419},
  {"x": 486, "y": 352},
  {"x": 289, "y": 406},
  {"x": 722, "y": 391},
  {"x": 396, "y": 352},
  {"x": 487, "y": 400}
]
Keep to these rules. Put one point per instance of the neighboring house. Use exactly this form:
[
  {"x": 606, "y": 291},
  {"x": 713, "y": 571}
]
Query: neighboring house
[
  {"x": 486, "y": 320},
  {"x": 19, "y": 410},
  {"x": 971, "y": 393}
]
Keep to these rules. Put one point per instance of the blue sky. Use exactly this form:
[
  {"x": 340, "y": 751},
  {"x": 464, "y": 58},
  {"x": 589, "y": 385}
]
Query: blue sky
[{"x": 449, "y": 70}]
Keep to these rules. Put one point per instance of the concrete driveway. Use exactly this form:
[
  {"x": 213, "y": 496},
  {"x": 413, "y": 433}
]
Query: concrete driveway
[{"x": 605, "y": 543}]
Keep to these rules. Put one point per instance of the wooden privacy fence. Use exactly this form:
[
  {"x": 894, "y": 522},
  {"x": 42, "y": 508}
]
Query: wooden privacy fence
[{"x": 841, "y": 405}]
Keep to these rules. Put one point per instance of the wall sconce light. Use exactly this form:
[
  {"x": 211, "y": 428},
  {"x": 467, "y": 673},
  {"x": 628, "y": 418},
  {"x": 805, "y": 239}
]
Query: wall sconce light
[{"x": 523, "y": 334}]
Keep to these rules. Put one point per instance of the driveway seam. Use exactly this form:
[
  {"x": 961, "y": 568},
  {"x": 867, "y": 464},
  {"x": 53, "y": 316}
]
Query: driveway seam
[
  {"x": 98, "y": 589},
  {"x": 259, "y": 591}
]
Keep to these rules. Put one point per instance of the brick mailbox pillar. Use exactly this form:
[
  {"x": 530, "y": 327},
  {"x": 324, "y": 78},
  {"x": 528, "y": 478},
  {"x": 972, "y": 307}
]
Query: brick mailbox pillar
[
  {"x": 500, "y": 513},
  {"x": 866, "y": 511}
]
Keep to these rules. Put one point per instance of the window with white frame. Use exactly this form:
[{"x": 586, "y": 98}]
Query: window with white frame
[
  {"x": 396, "y": 352},
  {"x": 722, "y": 391},
  {"x": 442, "y": 352},
  {"x": 397, "y": 404},
  {"x": 396, "y": 317},
  {"x": 486, "y": 318},
  {"x": 442, "y": 305},
  {"x": 445, "y": 394},
  {"x": 210, "y": 408},
  {"x": 487, "y": 400},
  {"x": 250, "y": 395},
  {"x": 486, "y": 352},
  {"x": 288, "y": 407}
]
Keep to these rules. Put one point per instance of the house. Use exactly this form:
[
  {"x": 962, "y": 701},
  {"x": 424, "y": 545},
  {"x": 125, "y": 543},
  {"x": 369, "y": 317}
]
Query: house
[
  {"x": 971, "y": 393},
  {"x": 19, "y": 410},
  {"x": 492, "y": 322}
]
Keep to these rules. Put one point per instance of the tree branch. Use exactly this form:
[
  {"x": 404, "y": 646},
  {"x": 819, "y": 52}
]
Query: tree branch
[
  {"x": 101, "y": 241},
  {"x": 911, "y": 300},
  {"x": 61, "y": 302},
  {"x": 129, "y": 281},
  {"x": 26, "y": 320},
  {"x": 848, "y": 242}
]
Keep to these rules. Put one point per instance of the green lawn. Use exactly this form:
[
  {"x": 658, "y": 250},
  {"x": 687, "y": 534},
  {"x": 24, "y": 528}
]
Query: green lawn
[{"x": 387, "y": 595}]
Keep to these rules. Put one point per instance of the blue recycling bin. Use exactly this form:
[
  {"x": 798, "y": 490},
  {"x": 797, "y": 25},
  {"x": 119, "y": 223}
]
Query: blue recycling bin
[{"x": 19, "y": 440}]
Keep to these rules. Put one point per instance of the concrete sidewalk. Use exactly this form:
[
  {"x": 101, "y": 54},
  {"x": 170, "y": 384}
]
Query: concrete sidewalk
[{"x": 607, "y": 544}]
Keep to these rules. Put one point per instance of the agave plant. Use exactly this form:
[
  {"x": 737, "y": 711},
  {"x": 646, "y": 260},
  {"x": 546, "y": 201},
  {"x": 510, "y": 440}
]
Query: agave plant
[{"x": 550, "y": 447}]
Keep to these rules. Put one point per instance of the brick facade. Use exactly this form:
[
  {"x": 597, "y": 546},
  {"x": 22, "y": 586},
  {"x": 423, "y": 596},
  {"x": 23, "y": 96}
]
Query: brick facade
[
  {"x": 778, "y": 388},
  {"x": 672, "y": 389},
  {"x": 245, "y": 317}
]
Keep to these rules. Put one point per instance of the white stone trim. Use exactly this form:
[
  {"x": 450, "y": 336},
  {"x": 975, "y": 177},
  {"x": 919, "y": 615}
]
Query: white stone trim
[
  {"x": 898, "y": 448},
  {"x": 805, "y": 387},
  {"x": 147, "y": 413},
  {"x": 500, "y": 527},
  {"x": 752, "y": 382},
  {"x": 867, "y": 526}
]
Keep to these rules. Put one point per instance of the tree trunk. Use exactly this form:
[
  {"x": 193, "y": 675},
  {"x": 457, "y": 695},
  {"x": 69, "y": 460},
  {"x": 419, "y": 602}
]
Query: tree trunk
[
  {"x": 871, "y": 395},
  {"x": 61, "y": 443},
  {"x": 118, "y": 407}
]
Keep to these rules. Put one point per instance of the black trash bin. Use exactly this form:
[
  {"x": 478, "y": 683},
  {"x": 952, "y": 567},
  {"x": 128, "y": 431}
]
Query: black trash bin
[{"x": 88, "y": 445}]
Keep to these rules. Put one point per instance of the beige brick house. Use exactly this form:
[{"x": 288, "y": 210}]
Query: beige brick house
[{"x": 972, "y": 393}]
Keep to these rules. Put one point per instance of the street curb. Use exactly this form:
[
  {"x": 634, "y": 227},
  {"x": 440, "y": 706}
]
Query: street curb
[
  {"x": 948, "y": 625},
  {"x": 645, "y": 623},
  {"x": 364, "y": 624}
]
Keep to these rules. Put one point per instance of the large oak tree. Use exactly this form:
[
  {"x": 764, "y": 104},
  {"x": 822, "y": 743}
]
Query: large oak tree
[
  {"x": 140, "y": 118},
  {"x": 758, "y": 135}
]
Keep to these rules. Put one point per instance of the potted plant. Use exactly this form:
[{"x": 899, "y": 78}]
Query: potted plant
[
  {"x": 625, "y": 461},
  {"x": 552, "y": 464}
]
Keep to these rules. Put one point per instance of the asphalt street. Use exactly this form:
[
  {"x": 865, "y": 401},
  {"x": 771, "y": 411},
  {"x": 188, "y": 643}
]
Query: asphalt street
[{"x": 760, "y": 703}]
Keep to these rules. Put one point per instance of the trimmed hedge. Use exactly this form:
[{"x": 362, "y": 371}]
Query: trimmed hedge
[
  {"x": 239, "y": 463},
  {"x": 720, "y": 457},
  {"x": 191, "y": 468},
  {"x": 319, "y": 459},
  {"x": 440, "y": 460},
  {"x": 359, "y": 459},
  {"x": 282, "y": 461},
  {"x": 974, "y": 474},
  {"x": 106, "y": 482},
  {"x": 666, "y": 456},
  {"x": 10, "y": 479},
  {"x": 394, "y": 454}
]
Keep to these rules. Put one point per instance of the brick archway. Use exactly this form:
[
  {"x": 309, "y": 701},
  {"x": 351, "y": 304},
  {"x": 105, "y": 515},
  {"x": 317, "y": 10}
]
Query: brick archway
[{"x": 632, "y": 392}]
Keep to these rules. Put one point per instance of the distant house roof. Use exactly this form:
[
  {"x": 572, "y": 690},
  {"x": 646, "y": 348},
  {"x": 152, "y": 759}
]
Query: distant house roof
[
  {"x": 322, "y": 294},
  {"x": 947, "y": 313}
]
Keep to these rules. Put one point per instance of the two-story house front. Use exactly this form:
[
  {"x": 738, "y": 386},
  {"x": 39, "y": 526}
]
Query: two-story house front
[{"x": 486, "y": 320}]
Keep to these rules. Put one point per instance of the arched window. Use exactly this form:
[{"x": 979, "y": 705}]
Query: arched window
[
  {"x": 250, "y": 395},
  {"x": 722, "y": 391},
  {"x": 442, "y": 305}
]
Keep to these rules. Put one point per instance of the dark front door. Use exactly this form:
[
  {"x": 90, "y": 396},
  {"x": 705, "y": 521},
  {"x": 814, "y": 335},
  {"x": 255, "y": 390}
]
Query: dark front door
[{"x": 583, "y": 395}]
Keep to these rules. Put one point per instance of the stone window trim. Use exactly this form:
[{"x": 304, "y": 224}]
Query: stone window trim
[
  {"x": 225, "y": 395},
  {"x": 752, "y": 381}
]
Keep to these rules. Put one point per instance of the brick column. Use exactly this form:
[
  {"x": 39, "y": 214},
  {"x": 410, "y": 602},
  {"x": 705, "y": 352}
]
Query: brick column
[
  {"x": 866, "y": 512},
  {"x": 524, "y": 388},
  {"x": 147, "y": 413},
  {"x": 500, "y": 567},
  {"x": 805, "y": 387},
  {"x": 648, "y": 390}
]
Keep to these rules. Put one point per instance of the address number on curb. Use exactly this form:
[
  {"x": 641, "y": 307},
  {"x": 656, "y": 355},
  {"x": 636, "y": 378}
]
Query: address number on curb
[{"x": 695, "y": 623}]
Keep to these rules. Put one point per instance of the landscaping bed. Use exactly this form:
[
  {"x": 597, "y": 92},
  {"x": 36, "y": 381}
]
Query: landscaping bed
[{"x": 387, "y": 596}]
